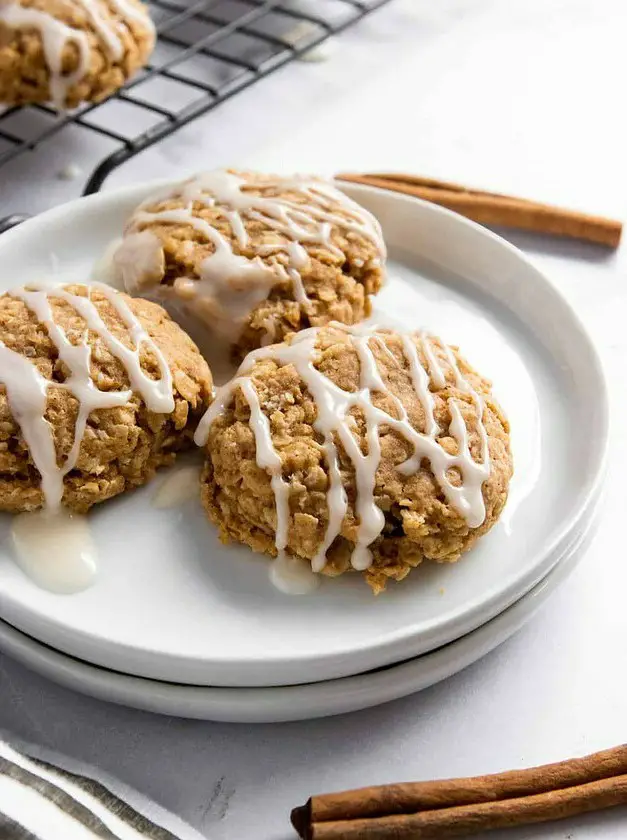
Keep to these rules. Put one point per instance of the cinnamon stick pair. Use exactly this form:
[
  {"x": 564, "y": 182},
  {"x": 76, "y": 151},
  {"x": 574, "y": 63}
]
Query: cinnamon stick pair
[
  {"x": 496, "y": 209},
  {"x": 462, "y": 807}
]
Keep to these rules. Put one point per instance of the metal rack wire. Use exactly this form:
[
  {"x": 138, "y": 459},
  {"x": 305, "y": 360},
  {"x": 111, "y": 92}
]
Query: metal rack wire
[{"x": 207, "y": 51}]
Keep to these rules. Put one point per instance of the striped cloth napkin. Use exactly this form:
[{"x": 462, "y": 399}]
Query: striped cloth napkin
[{"x": 46, "y": 797}]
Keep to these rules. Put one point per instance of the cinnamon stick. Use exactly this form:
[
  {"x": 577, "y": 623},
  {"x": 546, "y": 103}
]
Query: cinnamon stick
[
  {"x": 496, "y": 209},
  {"x": 473, "y": 819},
  {"x": 454, "y": 807}
]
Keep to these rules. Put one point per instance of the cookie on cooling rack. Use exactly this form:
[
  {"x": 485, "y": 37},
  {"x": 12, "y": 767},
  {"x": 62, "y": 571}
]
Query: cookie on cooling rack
[{"x": 70, "y": 51}]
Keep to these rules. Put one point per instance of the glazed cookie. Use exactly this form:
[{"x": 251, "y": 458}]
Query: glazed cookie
[
  {"x": 254, "y": 257},
  {"x": 97, "y": 391},
  {"x": 356, "y": 449},
  {"x": 70, "y": 51}
]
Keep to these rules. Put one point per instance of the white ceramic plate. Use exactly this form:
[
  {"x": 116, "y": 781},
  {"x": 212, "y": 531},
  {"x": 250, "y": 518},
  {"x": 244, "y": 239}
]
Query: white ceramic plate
[
  {"x": 302, "y": 702},
  {"x": 171, "y": 603}
]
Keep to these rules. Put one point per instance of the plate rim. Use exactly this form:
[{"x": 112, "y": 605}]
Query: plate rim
[{"x": 279, "y": 704}]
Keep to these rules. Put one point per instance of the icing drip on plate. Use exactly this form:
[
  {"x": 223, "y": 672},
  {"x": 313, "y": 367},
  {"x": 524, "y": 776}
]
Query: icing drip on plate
[
  {"x": 230, "y": 284},
  {"x": 55, "y": 551},
  {"x": 177, "y": 488},
  {"x": 333, "y": 422},
  {"x": 27, "y": 394},
  {"x": 57, "y": 36},
  {"x": 293, "y": 575}
]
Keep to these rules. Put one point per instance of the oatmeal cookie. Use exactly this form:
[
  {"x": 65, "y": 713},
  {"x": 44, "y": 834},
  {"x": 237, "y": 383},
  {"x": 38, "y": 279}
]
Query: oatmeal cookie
[
  {"x": 356, "y": 448},
  {"x": 70, "y": 51},
  {"x": 97, "y": 390},
  {"x": 253, "y": 256}
]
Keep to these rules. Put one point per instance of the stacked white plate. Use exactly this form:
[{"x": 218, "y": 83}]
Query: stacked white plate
[{"x": 178, "y": 623}]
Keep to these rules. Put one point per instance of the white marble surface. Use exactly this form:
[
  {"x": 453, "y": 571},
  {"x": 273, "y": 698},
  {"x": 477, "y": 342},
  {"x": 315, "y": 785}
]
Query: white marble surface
[{"x": 524, "y": 96}]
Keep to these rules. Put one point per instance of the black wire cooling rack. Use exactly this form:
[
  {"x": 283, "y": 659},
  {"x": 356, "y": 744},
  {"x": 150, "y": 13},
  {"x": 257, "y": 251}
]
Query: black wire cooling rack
[{"x": 207, "y": 51}]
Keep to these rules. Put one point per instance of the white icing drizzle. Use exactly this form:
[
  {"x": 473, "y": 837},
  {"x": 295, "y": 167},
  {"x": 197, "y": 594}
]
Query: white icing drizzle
[
  {"x": 27, "y": 389},
  {"x": 334, "y": 422},
  {"x": 307, "y": 222},
  {"x": 230, "y": 284},
  {"x": 129, "y": 11},
  {"x": 298, "y": 260},
  {"x": 156, "y": 393},
  {"x": 56, "y": 36},
  {"x": 105, "y": 27}
]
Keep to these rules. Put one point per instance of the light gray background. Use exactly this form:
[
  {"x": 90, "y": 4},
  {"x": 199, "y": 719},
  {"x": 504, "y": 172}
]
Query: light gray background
[{"x": 524, "y": 96}]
